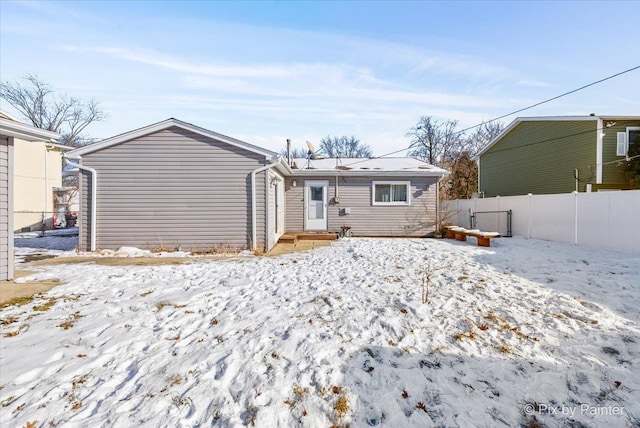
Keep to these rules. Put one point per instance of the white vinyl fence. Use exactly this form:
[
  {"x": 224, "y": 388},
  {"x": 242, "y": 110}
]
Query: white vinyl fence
[{"x": 605, "y": 220}]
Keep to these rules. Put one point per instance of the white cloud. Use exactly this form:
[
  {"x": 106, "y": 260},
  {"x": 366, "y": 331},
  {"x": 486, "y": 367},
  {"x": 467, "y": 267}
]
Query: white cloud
[{"x": 533, "y": 83}]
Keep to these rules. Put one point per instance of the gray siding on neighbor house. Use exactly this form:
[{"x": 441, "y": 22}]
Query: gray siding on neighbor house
[
  {"x": 365, "y": 219},
  {"x": 173, "y": 188},
  {"x": 6, "y": 208}
]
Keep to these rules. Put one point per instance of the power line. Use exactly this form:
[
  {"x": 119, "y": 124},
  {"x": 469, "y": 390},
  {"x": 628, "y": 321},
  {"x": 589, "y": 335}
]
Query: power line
[
  {"x": 545, "y": 141},
  {"x": 553, "y": 98},
  {"x": 515, "y": 111}
]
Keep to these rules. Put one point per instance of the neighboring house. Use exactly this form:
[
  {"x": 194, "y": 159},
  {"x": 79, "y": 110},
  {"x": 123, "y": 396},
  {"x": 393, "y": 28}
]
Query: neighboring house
[
  {"x": 540, "y": 155},
  {"x": 38, "y": 180},
  {"x": 173, "y": 184},
  {"x": 12, "y": 132}
]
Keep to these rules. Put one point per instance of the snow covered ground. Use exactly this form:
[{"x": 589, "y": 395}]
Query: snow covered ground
[
  {"x": 525, "y": 333},
  {"x": 58, "y": 240}
]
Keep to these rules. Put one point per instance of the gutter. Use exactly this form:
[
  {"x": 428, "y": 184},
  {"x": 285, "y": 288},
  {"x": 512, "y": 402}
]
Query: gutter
[
  {"x": 94, "y": 190},
  {"x": 254, "y": 232}
]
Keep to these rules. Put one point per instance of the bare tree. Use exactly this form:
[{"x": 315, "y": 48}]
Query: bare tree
[
  {"x": 345, "y": 147},
  {"x": 295, "y": 153},
  {"x": 435, "y": 142},
  {"x": 463, "y": 180},
  {"x": 483, "y": 135},
  {"x": 68, "y": 116}
]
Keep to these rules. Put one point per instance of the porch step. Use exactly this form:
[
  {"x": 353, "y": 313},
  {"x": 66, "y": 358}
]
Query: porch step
[
  {"x": 288, "y": 238},
  {"x": 293, "y": 237}
]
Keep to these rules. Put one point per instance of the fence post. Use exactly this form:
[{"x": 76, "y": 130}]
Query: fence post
[
  {"x": 575, "y": 219},
  {"x": 530, "y": 196}
]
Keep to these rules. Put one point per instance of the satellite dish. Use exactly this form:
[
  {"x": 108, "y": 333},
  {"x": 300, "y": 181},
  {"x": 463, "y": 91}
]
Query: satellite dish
[{"x": 310, "y": 146}]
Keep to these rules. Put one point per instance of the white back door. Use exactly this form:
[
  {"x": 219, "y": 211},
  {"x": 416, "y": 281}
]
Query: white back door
[{"x": 316, "y": 204}]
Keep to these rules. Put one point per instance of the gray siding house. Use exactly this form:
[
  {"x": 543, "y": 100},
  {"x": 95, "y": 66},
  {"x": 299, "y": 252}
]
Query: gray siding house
[
  {"x": 373, "y": 197},
  {"x": 11, "y": 129},
  {"x": 173, "y": 184}
]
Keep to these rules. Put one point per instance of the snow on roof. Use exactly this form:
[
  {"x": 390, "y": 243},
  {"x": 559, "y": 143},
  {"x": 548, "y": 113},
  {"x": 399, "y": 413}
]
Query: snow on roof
[{"x": 362, "y": 165}]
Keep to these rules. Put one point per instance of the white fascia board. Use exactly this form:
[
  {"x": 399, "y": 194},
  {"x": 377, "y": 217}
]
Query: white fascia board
[
  {"x": 61, "y": 147},
  {"x": 599, "y": 131},
  {"x": 519, "y": 120},
  {"x": 283, "y": 167},
  {"x": 26, "y": 132},
  {"x": 620, "y": 117},
  {"x": 160, "y": 126}
]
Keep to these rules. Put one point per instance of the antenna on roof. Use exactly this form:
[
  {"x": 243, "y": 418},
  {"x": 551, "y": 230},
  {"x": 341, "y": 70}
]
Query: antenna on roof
[{"x": 310, "y": 152}]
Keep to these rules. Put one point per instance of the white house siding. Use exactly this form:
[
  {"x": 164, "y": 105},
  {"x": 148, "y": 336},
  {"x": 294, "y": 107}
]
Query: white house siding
[
  {"x": 365, "y": 219},
  {"x": 6, "y": 208},
  {"x": 173, "y": 188}
]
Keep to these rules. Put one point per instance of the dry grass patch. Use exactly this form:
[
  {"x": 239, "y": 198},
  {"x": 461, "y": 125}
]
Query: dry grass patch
[
  {"x": 299, "y": 391},
  {"x": 175, "y": 380},
  {"x": 464, "y": 335},
  {"x": 45, "y": 306},
  {"x": 9, "y": 320},
  {"x": 341, "y": 407},
  {"x": 17, "y": 301},
  {"x": 7, "y": 401},
  {"x": 116, "y": 261},
  {"x": 164, "y": 304},
  {"x": 66, "y": 325}
]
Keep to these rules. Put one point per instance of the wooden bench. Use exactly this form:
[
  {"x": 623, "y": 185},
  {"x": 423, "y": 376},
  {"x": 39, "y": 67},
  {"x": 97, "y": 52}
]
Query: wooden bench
[{"x": 460, "y": 234}]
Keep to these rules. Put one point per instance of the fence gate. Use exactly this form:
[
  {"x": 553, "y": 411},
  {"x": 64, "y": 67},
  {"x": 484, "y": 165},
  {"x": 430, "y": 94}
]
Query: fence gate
[{"x": 492, "y": 221}]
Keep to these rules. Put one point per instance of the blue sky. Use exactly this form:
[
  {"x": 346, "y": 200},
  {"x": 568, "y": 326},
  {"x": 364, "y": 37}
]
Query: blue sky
[{"x": 267, "y": 71}]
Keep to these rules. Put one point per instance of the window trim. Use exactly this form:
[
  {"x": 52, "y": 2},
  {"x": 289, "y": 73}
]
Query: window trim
[
  {"x": 393, "y": 203},
  {"x": 629, "y": 128}
]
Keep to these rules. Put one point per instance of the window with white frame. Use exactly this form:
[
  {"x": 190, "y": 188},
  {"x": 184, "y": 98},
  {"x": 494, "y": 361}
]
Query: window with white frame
[
  {"x": 391, "y": 193},
  {"x": 628, "y": 142}
]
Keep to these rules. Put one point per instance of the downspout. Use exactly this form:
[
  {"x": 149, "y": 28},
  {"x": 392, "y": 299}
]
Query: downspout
[
  {"x": 94, "y": 190},
  {"x": 337, "y": 197},
  {"x": 254, "y": 232},
  {"x": 46, "y": 194}
]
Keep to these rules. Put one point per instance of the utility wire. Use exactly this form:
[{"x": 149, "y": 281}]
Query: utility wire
[
  {"x": 513, "y": 112},
  {"x": 553, "y": 98},
  {"x": 545, "y": 141}
]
